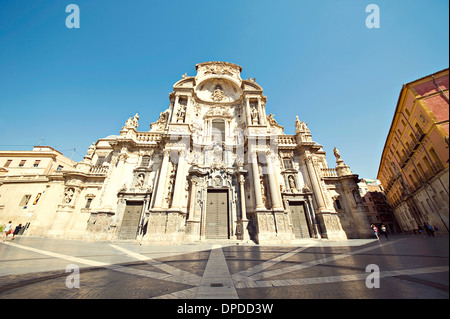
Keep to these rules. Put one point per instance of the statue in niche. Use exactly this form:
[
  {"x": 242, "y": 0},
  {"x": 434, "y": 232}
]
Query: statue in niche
[
  {"x": 140, "y": 181},
  {"x": 255, "y": 116},
  {"x": 217, "y": 182},
  {"x": 291, "y": 183},
  {"x": 181, "y": 114},
  {"x": 263, "y": 191},
  {"x": 196, "y": 129},
  {"x": 68, "y": 195}
]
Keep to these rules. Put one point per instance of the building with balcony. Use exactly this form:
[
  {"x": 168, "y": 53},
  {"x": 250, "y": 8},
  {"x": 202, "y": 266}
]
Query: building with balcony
[
  {"x": 213, "y": 166},
  {"x": 414, "y": 163},
  {"x": 377, "y": 207},
  {"x": 31, "y": 184}
]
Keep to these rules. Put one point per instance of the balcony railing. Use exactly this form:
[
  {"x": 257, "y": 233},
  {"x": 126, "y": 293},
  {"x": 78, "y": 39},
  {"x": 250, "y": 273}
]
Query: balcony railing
[
  {"x": 148, "y": 137},
  {"x": 410, "y": 149},
  {"x": 286, "y": 140},
  {"x": 99, "y": 169},
  {"x": 329, "y": 172}
]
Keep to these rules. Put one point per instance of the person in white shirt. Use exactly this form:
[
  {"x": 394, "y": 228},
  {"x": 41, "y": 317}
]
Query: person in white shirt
[{"x": 7, "y": 230}]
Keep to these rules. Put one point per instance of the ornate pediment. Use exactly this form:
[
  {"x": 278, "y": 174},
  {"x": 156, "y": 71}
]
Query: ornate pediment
[{"x": 218, "y": 90}]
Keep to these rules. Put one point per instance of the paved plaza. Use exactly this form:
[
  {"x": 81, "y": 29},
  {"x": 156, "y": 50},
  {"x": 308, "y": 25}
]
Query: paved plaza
[{"x": 409, "y": 267}]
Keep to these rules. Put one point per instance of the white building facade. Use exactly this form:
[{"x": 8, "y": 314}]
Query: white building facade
[{"x": 214, "y": 166}]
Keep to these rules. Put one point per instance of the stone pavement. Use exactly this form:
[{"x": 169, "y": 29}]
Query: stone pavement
[{"x": 409, "y": 267}]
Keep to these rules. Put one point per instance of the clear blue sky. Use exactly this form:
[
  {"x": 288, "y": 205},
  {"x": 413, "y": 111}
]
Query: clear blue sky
[{"x": 314, "y": 59}]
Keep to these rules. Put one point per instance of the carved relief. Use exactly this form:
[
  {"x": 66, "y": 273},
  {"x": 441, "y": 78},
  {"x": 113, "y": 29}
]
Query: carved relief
[
  {"x": 98, "y": 223},
  {"x": 181, "y": 114},
  {"x": 68, "y": 195},
  {"x": 160, "y": 124},
  {"x": 218, "y": 95},
  {"x": 140, "y": 181},
  {"x": 255, "y": 115},
  {"x": 218, "y": 69},
  {"x": 132, "y": 122},
  {"x": 332, "y": 222}
]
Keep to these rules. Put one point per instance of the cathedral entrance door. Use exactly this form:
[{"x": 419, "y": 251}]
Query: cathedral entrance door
[
  {"x": 216, "y": 223},
  {"x": 130, "y": 221},
  {"x": 299, "y": 221}
]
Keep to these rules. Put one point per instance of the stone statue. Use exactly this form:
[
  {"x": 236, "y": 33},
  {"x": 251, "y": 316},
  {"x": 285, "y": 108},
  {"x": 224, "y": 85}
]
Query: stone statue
[
  {"x": 135, "y": 121},
  {"x": 140, "y": 181},
  {"x": 68, "y": 195},
  {"x": 132, "y": 122},
  {"x": 301, "y": 126},
  {"x": 291, "y": 182},
  {"x": 91, "y": 150},
  {"x": 271, "y": 119},
  {"x": 181, "y": 114},
  {"x": 298, "y": 124},
  {"x": 255, "y": 116},
  {"x": 337, "y": 154}
]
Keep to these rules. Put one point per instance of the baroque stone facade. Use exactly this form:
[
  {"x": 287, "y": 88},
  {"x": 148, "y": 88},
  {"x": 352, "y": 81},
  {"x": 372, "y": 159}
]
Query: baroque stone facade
[{"x": 214, "y": 165}]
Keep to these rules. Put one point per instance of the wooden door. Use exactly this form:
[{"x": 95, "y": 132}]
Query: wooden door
[{"x": 217, "y": 215}]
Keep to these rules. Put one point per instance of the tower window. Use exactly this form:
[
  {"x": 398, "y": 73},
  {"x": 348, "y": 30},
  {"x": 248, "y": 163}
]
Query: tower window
[
  {"x": 287, "y": 163},
  {"x": 145, "y": 161},
  {"x": 88, "y": 203}
]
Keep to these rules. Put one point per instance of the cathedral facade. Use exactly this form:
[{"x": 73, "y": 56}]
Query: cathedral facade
[{"x": 213, "y": 166}]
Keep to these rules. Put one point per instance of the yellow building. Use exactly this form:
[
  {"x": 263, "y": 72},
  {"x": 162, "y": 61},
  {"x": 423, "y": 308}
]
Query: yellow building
[
  {"x": 414, "y": 162},
  {"x": 31, "y": 184}
]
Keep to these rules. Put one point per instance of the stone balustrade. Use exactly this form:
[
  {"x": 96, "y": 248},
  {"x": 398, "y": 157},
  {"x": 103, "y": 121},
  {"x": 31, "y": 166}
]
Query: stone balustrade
[
  {"x": 98, "y": 169},
  {"x": 148, "y": 137},
  {"x": 329, "y": 172}
]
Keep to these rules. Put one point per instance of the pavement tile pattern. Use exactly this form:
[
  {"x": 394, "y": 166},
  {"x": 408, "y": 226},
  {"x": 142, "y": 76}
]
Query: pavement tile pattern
[{"x": 410, "y": 267}]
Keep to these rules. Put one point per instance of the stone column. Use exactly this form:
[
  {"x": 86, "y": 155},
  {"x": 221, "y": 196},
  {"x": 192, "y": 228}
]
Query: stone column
[
  {"x": 274, "y": 188},
  {"x": 244, "y": 220},
  {"x": 312, "y": 219},
  {"x": 247, "y": 112},
  {"x": 180, "y": 181},
  {"x": 174, "y": 110},
  {"x": 262, "y": 118},
  {"x": 315, "y": 184},
  {"x": 256, "y": 181},
  {"x": 243, "y": 209},
  {"x": 193, "y": 190},
  {"x": 187, "y": 118},
  {"x": 162, "y": 180}
]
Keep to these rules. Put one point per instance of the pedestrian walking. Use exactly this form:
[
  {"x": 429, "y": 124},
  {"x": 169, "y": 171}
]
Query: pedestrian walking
[
  {"x": 375, "y": 231},
  {"x": 16, "y": 231},
  {"x": 430, "y": 230},
  {"x": 384, "y": 231},
  {"x": 436, "y": 229},
  {"x": 7, "y": 230},
  {"x": 420, "y": 228}
]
